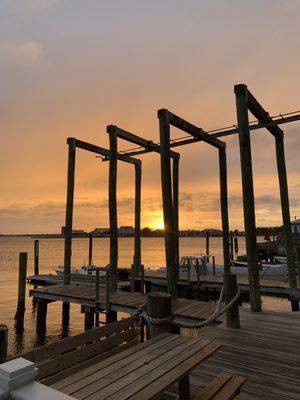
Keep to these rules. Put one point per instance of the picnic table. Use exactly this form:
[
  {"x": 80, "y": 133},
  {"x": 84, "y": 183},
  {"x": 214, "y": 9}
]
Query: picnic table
[{"x": 141, "y": 372}]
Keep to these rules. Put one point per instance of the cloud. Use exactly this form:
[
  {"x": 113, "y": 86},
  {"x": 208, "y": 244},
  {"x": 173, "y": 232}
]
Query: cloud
[
  {"x": 30, "y": 6},
  {"x": 26, "y": 53}
]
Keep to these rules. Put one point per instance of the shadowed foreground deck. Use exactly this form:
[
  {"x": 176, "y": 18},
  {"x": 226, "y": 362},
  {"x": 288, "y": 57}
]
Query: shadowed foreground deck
[{"x": 266, "y": 351}]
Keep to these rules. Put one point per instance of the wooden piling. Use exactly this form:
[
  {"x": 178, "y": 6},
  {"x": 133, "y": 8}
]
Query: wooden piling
[
  {"x": 231, "y": 245},
  {"x": 236, "y": 245},
  {"x": 224, "y": 208},
  {"x": 142, "y": 279},
  {"x": 230, "y": 290},
  {"x": 3, "y": 343},
  {"x": 111, "y": 316},
  {"x": 166, "y": 184},
  {"x": 159, "y": 306},
  {"x": 175, "y": 181},
  {"x": 89, "y": 320},
  {"x": 36, "y": 256},
  {"x": 248, "y": 195},
  {"x": 41, "y": 316},
  {"x": 298, "y": 263},
  {"x": 69, "y": 211},
  {"x": 137, "y": 220},
  {"x": 90, "y": 250},
  {"x": 113, "y": 217},
  {"x": 97, "y": 284},
  {"x": 214, "y": 265},
  {"x": 19, "y": 317},
  {"x": 207, "y": 242},
  {"x": 285, "y": 209}
]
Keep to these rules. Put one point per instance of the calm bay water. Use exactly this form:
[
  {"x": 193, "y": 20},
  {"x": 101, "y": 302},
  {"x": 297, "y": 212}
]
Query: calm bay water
[{"x": 51, "y": 255}]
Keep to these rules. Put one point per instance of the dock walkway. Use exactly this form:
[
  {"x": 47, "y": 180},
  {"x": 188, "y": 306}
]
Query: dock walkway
[
  {"x": 127, "y": 302},
  {"x": 268, "y": 285},
  {"x": 266, "y": 351}
]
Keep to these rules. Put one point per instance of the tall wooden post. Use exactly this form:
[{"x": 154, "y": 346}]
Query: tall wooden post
[
  {"x": 285, "y": 209},
  {"x": 69, "y": 219},
  {"x": 166, "y": 184},
  {"x": 19, "y": 317},
  {"x": 232, "y": 315},
  {"x": 90, "y": 250},
  {"x": 224, "y": 209},
  {"x": 207, "y": 243},
  {"x": 137, "y": 220},
  {"x": 69, "y": 211},
  {"x": 36, "y": 257},
  {"x": 176, "y": 210},
  {"x": 113, "y": 218},
  {"x": 248, "y": 195}
]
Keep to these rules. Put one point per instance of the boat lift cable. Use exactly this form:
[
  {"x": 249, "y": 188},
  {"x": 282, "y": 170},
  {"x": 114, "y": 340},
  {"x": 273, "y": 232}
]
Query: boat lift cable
[{"x": 215, "y": 131}]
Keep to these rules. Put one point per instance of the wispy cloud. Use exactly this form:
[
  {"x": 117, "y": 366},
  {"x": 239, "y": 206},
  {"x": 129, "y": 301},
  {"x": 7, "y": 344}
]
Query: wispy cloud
[
  {"x": 30, "y": 6},
  {"x": 28, "y": 53}
]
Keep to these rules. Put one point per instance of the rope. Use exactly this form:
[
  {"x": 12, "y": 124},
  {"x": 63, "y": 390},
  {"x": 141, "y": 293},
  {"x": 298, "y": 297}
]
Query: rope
[
  {"x": 141, "y": 313},
  {"x": 158, "y": 321},
  {"x": 214, "y": 317}
]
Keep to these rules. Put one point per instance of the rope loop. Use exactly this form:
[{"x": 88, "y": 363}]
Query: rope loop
[{"x": 141, "y": 313}]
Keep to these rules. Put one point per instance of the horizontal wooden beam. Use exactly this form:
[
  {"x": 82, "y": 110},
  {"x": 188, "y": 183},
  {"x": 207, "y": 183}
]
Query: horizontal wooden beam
[
  {"x": 226, "y": 132},
  {"x": 132, "y": 138},
  {"x": 258, "y": 111},
  {"x": 100, "y": 150},
  {"x": 191, "y": 129}
]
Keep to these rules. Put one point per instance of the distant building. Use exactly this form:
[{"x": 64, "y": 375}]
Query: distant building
[
  {"x": 100, "y": 231},
  {"x": 74, "y": 231},
  {"x": 126, "y": 230}
]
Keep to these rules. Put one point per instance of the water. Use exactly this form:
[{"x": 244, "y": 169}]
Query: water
[{"x": 51, "y": 255}]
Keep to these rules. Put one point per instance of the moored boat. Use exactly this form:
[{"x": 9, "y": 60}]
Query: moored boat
[
  {"x": 189, "y": 264},
  {"x": 88, "y": 270}
]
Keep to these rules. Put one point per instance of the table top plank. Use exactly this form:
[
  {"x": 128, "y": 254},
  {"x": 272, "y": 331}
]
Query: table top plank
[
  {"x": 127, "y": 378},
  {"x": 107, "y": 376},
  {"x": 130, "y": 384},
  {"x": 142, "y": 348},
  {"x": 180, "y": 370}
]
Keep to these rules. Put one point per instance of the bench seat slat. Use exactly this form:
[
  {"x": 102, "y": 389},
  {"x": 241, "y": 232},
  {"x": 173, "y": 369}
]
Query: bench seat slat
[{"x": 224, "y": 387}]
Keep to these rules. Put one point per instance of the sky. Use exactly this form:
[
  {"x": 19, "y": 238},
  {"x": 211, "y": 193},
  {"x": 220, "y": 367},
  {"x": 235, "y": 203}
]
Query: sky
[{"x": 69, "y": 68}]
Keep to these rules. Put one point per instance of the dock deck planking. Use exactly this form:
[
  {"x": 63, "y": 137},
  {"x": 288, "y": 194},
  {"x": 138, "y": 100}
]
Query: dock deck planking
[
  {"x": 266, "y": 351},
  {"x": 120, "y": 301},
  {"x": 268, "y": 285}
]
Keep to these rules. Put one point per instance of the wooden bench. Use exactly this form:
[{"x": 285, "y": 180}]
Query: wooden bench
[
  {"x": 224, "y": 387},
  {"x": 62, "y": 358}
]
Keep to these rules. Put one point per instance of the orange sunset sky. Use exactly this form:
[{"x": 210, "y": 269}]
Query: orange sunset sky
[{"x": 71, "y": 67}]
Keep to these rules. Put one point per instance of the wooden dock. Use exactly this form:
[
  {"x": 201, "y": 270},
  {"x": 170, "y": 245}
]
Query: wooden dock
[
  {"x": 268, "y": 285},
  {"x": 127, "y": 302},
  {"x": 49, "y": 279},
  {"x": 266, "y": 351},
  {"x": 157, "y": 278}
]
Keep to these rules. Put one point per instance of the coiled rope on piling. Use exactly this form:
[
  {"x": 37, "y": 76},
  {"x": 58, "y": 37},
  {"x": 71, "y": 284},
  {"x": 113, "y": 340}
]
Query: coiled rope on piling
[{"x": 141, "y": 313}]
